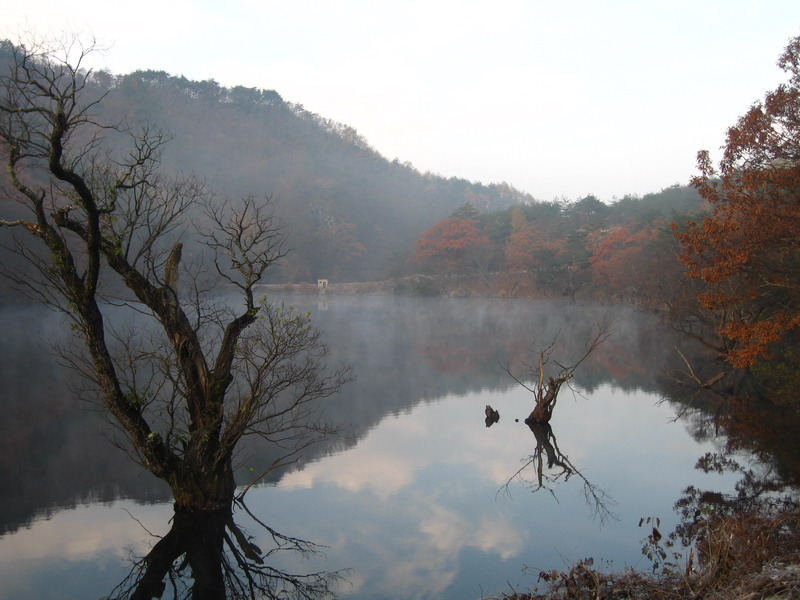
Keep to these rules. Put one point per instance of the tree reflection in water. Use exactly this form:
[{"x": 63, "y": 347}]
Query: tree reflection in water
[
  {"x": 746, "y": 428},
  {"x": 207, "y": 555},
  {"x": 559, "y": 468}
]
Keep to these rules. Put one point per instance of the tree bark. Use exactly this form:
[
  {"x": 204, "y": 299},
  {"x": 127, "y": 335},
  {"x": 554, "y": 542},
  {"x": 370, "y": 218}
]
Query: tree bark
[
  {"x": 200, "y": 538},
  {"x": 545, "y": 402}
]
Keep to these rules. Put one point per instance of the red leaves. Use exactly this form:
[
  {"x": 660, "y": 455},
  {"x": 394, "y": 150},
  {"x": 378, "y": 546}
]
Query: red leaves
[
  {"x": 532, "y": 246},
  {"x": 626, "y": 261},
  {"x": 450, "y": 241},
  {"x": 748, "y": 249}
]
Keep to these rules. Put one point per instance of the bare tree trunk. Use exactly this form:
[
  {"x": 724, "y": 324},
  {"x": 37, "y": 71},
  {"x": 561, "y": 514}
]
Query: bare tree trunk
[
  {"x": 198, "y": 537},
  {"x": 546, "y": 401}
]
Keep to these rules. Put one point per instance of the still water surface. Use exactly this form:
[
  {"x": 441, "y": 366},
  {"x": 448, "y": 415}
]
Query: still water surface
[{"x": 418, "y": 497}]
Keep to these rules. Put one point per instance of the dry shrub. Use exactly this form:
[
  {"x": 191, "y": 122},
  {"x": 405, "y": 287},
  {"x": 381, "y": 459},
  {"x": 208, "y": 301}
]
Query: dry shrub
[
  {"x": 749, "y": 556},
  {"x": 740, "y": 557}
]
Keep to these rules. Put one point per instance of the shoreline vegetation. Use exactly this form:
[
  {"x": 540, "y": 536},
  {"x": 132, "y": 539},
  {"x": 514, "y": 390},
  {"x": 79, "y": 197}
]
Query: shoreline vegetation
[{"x": 739, "y": 557}]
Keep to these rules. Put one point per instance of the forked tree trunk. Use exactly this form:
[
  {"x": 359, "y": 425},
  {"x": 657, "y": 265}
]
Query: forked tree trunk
[
  {"x": 97, "y": 215},
  {"x": 546, "y": 397}
]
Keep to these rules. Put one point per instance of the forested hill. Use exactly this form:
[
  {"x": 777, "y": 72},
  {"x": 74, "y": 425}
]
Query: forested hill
[
  {"x": 350, "y": 214},
  {"x": 349, "y": 211}
]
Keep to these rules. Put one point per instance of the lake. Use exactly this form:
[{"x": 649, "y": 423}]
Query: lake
[{"x": 417, "y": 498}]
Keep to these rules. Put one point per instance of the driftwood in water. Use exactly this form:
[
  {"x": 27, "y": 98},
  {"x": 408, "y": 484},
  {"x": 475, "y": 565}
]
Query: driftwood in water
[{"x": 492, "y": 416}]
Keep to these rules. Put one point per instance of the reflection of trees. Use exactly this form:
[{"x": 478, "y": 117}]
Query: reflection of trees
[
  {"x": 559, "y": 468},
  {"x": 208, "y": 555},
  {"x": 758, "y": 444},
  {"x": 736, "y": 536},
  {"x": 53, "y": 452}
]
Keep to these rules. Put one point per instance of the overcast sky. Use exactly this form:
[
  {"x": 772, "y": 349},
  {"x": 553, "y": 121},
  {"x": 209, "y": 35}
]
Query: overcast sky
[{"x": 557, "y": 98}]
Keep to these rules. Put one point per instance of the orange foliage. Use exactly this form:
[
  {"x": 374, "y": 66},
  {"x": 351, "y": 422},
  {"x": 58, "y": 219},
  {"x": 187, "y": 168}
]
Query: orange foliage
[
  {"x": 748, "y": 250},
  {"x": 450, "y": 242},
  {"x": 532, "y": 246},
  {"x": 617, "y": 262},
  {"x": 640, "y": 263}
]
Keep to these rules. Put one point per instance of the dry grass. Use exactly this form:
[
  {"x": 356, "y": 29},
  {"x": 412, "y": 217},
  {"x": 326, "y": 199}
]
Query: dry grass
[{"x": 741, "y": 557}]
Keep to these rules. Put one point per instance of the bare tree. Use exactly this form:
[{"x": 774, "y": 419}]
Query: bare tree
[
  {"x": 548, "y": 462},
  {"x": 192, "y": 377},
  {"x": 545, "y": 391}
]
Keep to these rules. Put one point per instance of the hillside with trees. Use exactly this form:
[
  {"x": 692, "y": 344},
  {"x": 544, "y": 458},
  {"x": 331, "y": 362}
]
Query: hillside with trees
[
  {"x": 719, "y": 258},
  {"x": 348, "y": 211},
  {"x": 623, "y": 252}
]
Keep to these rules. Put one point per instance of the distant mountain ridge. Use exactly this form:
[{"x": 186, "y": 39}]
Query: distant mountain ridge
[{"x": 349, "y": 211}]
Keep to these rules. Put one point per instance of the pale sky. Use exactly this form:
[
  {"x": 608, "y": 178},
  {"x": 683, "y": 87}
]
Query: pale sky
[{"x": 557, "y": 98}]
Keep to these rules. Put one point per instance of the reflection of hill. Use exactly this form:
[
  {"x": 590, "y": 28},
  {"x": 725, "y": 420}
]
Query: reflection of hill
[
  {"x": 53, "y": 451},
  {"x": 403, "y": 351}
]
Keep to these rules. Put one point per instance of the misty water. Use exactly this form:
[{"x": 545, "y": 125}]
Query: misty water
[{"x": 417, "y": 498}]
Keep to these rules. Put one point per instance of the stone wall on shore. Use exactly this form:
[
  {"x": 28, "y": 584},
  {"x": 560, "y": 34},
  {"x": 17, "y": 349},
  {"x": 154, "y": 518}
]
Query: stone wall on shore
[{"x": 493, "y": 285}]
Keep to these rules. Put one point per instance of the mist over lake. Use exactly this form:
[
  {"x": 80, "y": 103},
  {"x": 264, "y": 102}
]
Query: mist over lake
[{"x": 417, "y": 497}]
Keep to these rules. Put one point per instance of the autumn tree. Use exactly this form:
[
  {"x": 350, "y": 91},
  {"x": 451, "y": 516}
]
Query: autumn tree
[
  {"x": 616, "y": 261},
  {"x": 640, "y": 266},
  {"x": 518, "y": 218},
  {"x": 454, "y": 244},
  {"x": 194, "y": 376},
  {"x": 747, "y": 251},
  {"x": 534, "y": 247}
]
